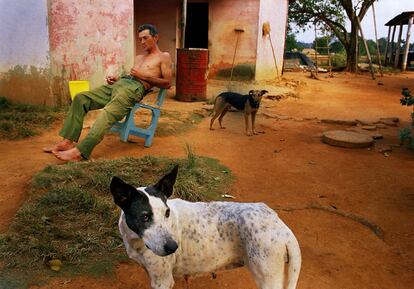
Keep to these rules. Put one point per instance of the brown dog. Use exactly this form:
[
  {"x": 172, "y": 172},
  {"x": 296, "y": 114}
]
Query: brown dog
[{"x": 249, "y": 103}]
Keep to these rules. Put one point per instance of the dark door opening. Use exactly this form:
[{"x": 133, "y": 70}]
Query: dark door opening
[{"x": 196, "y": 32}]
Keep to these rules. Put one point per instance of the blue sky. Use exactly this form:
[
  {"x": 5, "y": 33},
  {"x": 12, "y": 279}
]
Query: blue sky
[{"x": 385, "y": 10}]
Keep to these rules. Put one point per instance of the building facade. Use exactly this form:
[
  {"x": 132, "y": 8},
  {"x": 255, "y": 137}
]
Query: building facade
[{"x": 63, "y": 40}]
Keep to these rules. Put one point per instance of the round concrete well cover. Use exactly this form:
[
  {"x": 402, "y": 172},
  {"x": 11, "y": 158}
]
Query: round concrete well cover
[{"x": 347, "y": 139}]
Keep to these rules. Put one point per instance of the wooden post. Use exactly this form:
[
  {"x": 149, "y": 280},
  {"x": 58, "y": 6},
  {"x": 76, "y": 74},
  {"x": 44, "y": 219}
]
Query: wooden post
[
  {"x": 387, "y": 45},
  {"x": 397, "y": 50},
  {"x": 183, "y": 23},
  {"x": 376, "y": 40},
  {"x": 407, "y": 44},
  {"x": 366, "y": 47},
  {"x": 392, "y": 44},
  {"x": 356, "y": 51},
  {"x": 316, "y": 49},
  {"x": 329, "y": 57}
]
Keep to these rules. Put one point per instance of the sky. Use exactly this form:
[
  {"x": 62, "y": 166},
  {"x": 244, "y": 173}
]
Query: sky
[{"x": 385, "y": 10}]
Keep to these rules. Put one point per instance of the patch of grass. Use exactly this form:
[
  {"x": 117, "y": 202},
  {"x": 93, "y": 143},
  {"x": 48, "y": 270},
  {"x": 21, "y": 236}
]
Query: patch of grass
[
  {"x": 19, "y": 121},
  {"x": 243, "y": 71},
  {"x": 178, "y": 124},
  {"x": 70, "y": 214}
]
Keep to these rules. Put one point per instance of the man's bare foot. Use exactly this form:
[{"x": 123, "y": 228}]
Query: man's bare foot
[
  {"x": 73, "y": 155},
  {"x": 63, "y": 145}
]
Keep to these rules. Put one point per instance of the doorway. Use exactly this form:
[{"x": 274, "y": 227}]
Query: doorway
[{"x": 196, "y": 32}]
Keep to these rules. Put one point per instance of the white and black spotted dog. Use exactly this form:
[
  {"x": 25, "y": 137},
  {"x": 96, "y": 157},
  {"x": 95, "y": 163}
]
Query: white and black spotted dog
[{"x": 179, "y": 238}]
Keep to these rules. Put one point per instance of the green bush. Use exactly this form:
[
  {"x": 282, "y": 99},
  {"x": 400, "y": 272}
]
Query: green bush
[
  {"x": 339, "y": 60},
  {"x": 407, "y": 134}
]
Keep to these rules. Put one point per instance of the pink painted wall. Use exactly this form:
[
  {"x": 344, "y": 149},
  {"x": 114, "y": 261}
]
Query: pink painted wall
[
  {"x": 275, "y": 12},
  {"x": 89, "y": 39},
  {"x": 225, "y": 16}
]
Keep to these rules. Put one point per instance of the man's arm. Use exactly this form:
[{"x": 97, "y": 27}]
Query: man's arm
[{"x": 166, "y": 73}]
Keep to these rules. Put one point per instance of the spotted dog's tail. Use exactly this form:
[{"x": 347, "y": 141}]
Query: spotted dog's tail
[{"x": 293, "y": 261}]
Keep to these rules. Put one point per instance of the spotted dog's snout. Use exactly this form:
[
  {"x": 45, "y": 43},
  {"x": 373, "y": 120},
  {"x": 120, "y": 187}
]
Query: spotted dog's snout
[{"x": 170, "y": 247}]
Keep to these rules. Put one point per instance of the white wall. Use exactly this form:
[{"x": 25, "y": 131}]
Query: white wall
[
  {"x": 23, "y": 33},
  {"x": 275, "y": 12}
]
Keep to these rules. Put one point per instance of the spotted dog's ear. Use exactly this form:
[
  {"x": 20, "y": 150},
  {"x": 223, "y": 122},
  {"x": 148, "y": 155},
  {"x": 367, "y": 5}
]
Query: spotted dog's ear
[
  {"x": 251, "y": 92},
  {"x": 166, "y": 184},
  {"x": 264, "y": 91},
  {"x": 122, "y": 192}
]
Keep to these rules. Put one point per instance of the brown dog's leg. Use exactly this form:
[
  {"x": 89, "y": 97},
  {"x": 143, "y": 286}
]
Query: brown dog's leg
[
  {"x": 246, "y": 123},
  {"x": 253, "y": 122},
  {"x": 222, "y": 115},
  {"x": 213, "y": 119},
  {"x": 219, "y": 107}
]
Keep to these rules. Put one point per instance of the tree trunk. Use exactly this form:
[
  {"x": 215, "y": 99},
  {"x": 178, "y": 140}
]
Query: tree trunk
[{"x": 350, "y": 47}]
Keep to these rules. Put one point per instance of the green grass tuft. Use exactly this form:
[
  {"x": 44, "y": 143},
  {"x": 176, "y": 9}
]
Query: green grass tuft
[
  {"x": 71, "y": 216},
  {"x": 19, "y": 121}
]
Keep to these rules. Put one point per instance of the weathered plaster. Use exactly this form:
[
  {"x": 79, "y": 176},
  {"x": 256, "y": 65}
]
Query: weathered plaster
[
  {"x": 88, "y": 40},
  {"x": 225, "y": 16},
  {"x": 274, "y": 12}
]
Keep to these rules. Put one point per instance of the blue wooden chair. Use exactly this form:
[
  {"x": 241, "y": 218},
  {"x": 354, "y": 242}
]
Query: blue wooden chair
[{"x": 128, "y": 127}]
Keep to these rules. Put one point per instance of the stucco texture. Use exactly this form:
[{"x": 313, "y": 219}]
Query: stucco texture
[
  {"x": 275, "y": 13},
  {"x": 89, "y": 39},
  {"x": 226, "y": 16}
]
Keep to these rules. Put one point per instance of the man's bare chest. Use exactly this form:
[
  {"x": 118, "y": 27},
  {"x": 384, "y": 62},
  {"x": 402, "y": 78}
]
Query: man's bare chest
[{"x": 149, "y": 64}]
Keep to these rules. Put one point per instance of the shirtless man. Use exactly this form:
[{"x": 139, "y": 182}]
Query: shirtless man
[{"x": 116, "y": 98}]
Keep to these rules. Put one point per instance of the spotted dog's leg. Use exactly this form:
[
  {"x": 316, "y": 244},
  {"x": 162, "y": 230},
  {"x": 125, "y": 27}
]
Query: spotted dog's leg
[
  {"x": 162, "y": 280},
  {"x": 266, "y": 262},
  {"x": 159, "y": 270}
]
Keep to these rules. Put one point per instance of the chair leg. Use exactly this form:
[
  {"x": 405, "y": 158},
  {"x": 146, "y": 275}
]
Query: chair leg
[
  {"x": 128, "y": 125},
  {"x": 152, "y": 128},
  {"x": 123, "y": 134}
]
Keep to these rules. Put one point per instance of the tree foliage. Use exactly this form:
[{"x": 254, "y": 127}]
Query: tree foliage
[
  {"x": 322, "y": 44},
  {"x": 331, "y": 15},
  {"x": 291, "y": 42}
]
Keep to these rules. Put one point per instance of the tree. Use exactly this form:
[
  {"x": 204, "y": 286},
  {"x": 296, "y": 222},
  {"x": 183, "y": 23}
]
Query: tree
[
  {"x": 332, "y": 14},
  {"x": 337, "y": 47},
  {"x": 382, "y": 43},
  {"x": 291, "y": 42},
  {"x": 322, "y": 43}
]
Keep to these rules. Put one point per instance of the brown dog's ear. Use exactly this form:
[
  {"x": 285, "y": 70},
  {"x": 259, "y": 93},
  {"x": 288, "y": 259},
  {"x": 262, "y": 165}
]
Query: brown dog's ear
[{"x": 264, "y": 91}]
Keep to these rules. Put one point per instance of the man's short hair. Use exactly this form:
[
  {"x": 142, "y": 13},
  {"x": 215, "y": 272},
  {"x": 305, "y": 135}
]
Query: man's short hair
[{"x": 152, "y": 29}]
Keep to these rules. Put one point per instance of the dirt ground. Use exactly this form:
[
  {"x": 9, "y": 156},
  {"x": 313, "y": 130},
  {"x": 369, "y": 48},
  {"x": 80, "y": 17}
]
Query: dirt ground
[{"x": 290, "y": 169}]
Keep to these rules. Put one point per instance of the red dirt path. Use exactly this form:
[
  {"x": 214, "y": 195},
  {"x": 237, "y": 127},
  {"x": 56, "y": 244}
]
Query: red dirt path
[{"x": 288, "y": 168}]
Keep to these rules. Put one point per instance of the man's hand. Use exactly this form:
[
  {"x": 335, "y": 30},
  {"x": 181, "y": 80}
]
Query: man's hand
[
  {"x": 111, "y": 79},
  {"x": 137, "y": 74}
]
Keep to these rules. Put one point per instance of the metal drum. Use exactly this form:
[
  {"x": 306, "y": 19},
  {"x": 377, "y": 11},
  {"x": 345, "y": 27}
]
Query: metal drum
[{"x": 191, "y": 77}]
